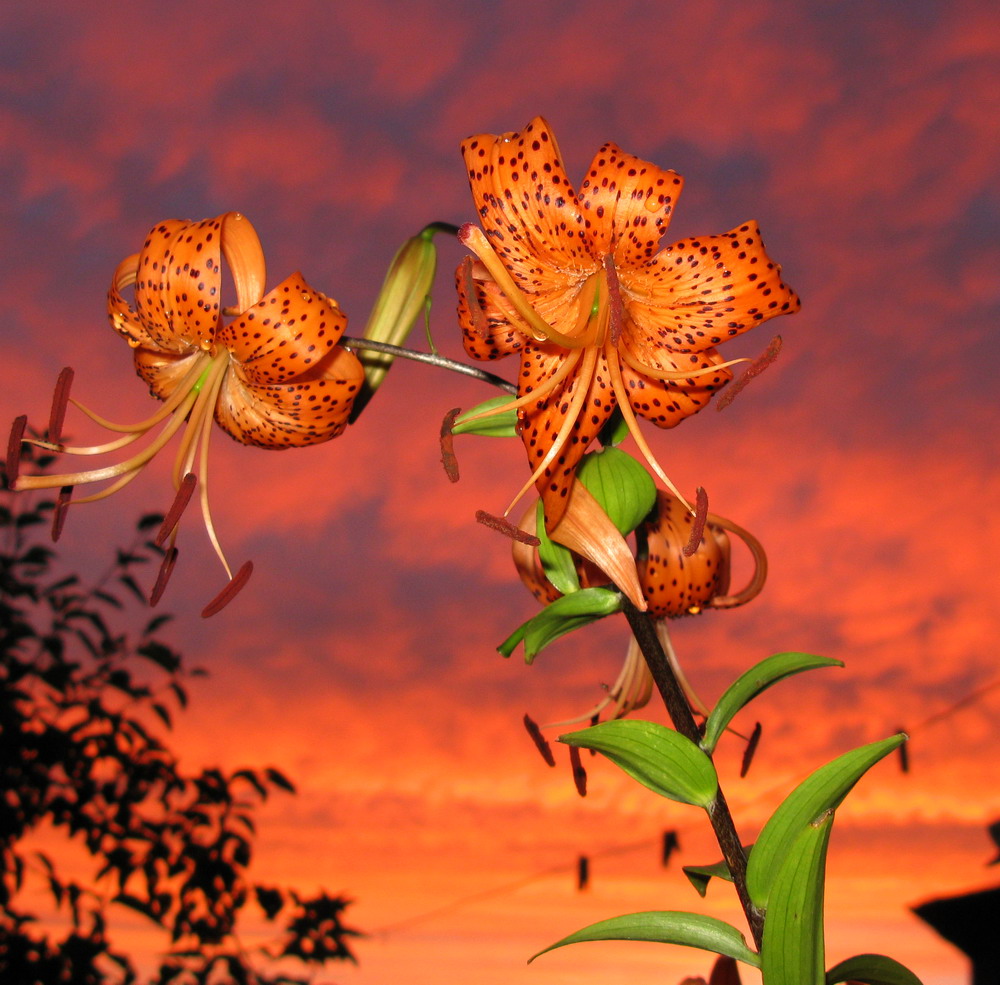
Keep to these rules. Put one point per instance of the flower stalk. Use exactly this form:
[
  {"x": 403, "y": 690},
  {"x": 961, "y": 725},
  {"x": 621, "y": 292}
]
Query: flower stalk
[{"x": 644, "y": 629}]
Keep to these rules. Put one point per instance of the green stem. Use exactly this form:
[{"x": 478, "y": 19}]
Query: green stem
[
  {"x": 431, "y": 359},
  {"x": 679, "y": 710}
]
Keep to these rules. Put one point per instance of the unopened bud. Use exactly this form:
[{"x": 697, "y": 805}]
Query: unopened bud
[{"x": 404, "y": 297}]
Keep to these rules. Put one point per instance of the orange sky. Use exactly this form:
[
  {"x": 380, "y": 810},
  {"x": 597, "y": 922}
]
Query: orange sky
[{"x": 360, "y": 658}]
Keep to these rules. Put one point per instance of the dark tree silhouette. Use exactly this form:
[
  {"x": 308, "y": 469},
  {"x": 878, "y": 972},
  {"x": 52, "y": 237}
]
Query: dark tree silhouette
[{"x": 82, "y": 705}]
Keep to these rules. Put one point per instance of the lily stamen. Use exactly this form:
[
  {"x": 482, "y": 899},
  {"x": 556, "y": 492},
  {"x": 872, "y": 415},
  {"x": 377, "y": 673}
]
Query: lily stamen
[
  {"x": 275, "y": 376},
  {"x": 475, "y": 239},
  {"x": 652, "y": 306},
  {"x": 621, "y": 394},
  {"x": 583, "y": 382}
]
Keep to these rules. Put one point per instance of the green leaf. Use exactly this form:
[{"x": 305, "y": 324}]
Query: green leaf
[
  {"x": 658, "y": 757},
  {"x": 822, "y": 791},
  {"x": 793, "y": 948},
  {"x": 748, "y": 685},
  {"x": 666, "y": 927},
  {"x": 557, "y": 561},
  {"x": 503, "y": 425},
  {"x": 624, "y": 489},
  {"x": 874, "y": 969},
  {"x": 701, "y": 875},
  {"x": 561, "y": 617}
]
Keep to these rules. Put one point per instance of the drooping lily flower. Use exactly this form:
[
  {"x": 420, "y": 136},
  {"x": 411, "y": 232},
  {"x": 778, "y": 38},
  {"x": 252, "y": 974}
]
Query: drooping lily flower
[
  {"x": 674, "y": 584},
  {"x": 577, "y": 287},
  {"x": 272, "y": 376}
]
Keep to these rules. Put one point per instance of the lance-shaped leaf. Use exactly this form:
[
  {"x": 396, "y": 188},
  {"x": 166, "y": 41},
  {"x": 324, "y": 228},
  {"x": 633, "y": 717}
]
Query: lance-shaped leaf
[
  {"x": 873, "y": 969},
  {"x": 701, "y": 875},
  {"x": 502, "y": 425},
  {"x": 821, "y": 791},
  {"x": 658, "y": 757},
  {"x": 748, "y": 685},
  {"x": 557, "y": 561},
  {"x": 621, "y": 485},
  {"x": 667, "y": 927},
  {"x": 792, "y": 951},
  {"x": 561, "y": 617}
]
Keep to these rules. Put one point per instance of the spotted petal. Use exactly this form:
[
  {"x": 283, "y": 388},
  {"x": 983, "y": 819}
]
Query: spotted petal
[
  {"x": 700, "y": 292},
  {"x": 291, "y": 415},
  {"x": 542, "y": 420},
  {"x": 627, "y": 204},
  {"x": 673, "y": 583},
  {"x": 528, "y": 208},
  {"x": 488, "y": 330},
  {"x": 667, "y": 402},
  {"x": 291, "y": 384},
  {"x": 178, "y": 283},
  {"x": 286, "y": 335}
]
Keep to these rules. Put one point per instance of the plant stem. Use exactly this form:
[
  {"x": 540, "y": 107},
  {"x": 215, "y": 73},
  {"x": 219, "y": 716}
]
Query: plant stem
[
  {"x": 679, "y": 710},
  {"x": 431, "y": 358}
]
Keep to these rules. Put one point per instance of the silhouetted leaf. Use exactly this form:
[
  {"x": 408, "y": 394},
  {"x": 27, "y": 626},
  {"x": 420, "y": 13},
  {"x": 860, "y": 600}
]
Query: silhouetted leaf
[{"x": 279, "y": 779}]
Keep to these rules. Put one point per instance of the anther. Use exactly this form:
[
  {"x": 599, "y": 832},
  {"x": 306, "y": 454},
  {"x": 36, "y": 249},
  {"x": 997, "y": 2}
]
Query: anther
[
  {"x": 478, "y": 315},
  {"x": 13, "y": 465},
  {"x": 540, "y": 742},
  {"x": 579, "y": 773},
  {"x": 750, "y": 750},
  {"x": 59, "y": 513},
  {"x": 230, "y": 592},
  {"x": 448, "y": 457},
  {"x": 163, "y": 575},
  {"x": 755, "y": 369},
  {"x": 60, "y": 398},
  {"x": 700, "y": 516},
  {"x": 506, "y": 528},
  {"x": 177, "y": 508}
]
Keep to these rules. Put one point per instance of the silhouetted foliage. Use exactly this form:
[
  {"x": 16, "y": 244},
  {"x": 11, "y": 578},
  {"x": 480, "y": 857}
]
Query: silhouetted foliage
[{"x": 80, "y": 707}]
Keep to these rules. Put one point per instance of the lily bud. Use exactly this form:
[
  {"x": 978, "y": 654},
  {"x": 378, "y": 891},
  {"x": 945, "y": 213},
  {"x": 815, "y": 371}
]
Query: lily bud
[
  {"x": 404, "y": 296},
  {"x": 676, "y": 583}
]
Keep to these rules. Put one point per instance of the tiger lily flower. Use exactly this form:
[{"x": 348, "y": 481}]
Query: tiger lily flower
[
  {"x": 273, "y": 376},
  {"x": 600, "y": 317},
  {"x": 674, "y": 584}
]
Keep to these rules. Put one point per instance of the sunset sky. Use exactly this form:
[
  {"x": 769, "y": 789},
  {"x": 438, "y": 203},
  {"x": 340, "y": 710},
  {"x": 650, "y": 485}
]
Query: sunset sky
[{"x": 360, "y": 659}]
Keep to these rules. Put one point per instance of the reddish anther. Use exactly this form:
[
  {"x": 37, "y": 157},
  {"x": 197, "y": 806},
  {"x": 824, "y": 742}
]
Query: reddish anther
[
  {"x": 163, "y": 575},
  {"x": 700, "y": 516},
  {"x": 506, "y": 528},
  {"x": 579, "y": 773},
  {"x": 616, "y": 307},
  {"x": 14, "y": 449},
  {"x": 60, "y": 398},
  {"x": 229, "y": 592},
  {"x": 59, "y": 513},
  {"x": 479, "y": 323},
  {"x": 751, "y": 748},
  {"x": 755, "y": 369},
  {"x": 540, "y": 742},
  {"x": 448, "y": 457},
  {"x": 183, "y": 497}
]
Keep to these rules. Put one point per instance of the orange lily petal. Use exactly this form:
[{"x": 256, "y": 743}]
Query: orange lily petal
[
  {"x": 627, "y": 203},
  {"x": 528, "y": 208},
  {"x": 487, "y": 334},
  {"x": 674, "y": 584},
  {"x": 542, "y": 420},
  {"x": 286, "y": 335},
  {"x": 667, "y": 402},
  {"x": 291, "y": 415},
  {"x": 163, "y": 371},
  {"x": 178, "y": 283},
  {"x": 586, "y": 529},
  {"x": 700, "y": 292}
]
